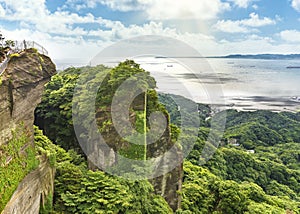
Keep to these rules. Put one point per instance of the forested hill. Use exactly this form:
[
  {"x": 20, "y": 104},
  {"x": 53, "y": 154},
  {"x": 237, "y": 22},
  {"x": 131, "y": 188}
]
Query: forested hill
[{"x": 256, "y": 168}]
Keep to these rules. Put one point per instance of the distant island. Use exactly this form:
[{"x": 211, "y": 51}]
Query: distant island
[
  {"x": 260, "y": 56},
  {"x": 244, "y": 56}
]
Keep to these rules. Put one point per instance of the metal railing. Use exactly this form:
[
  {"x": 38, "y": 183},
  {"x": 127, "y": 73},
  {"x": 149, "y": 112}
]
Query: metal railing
[
  {"x": 18, "y": 47},
  {"x": 23, "y": 45},
  {"x": 3, "y": 65}
]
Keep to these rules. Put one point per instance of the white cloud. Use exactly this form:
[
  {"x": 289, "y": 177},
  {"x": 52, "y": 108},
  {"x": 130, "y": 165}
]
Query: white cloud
[
  {"x": 290, "y": 35},
  {"x": 35, "y": 13},
  {"x": 242, "y": 26},
  {"x": 121, "y": 5},
  {"x": 255, "y": 6},
  {"x": 254, "y": 44},
  {"x": 162, "y": 9},
  {"x": 118, "y": 31},
  {"x": 81, "y": 48},
  {"x": 230, "y": 27},
  {"x": 59, "y": 33},
  {"x": 126, "y": 5},
  {"x": 296, "y": 5},
  {"x": 257, "y": 37},
  {"x": 242, "y": 3},
  {"x": 2, "y": 11},
  {"x": 70, "y": 49},
  {"x": 256, "y": 21},
  {"x": 74, "y": 49},
  {"x": 63, "y": 24},
  {"x": 279, "y": 18},
  {"x": 188, "y": 9}
]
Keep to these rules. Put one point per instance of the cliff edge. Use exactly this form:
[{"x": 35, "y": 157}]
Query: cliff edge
[{"x": 21, "y": 88}]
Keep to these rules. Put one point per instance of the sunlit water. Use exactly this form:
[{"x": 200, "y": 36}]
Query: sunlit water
[{"x": 244, "y": 84}]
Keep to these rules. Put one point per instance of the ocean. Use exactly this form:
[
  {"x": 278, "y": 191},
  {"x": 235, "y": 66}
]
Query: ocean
[{"x": 243, "y": 84}]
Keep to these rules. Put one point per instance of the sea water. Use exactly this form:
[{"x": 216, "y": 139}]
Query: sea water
[{"x": 244, "y": 84}]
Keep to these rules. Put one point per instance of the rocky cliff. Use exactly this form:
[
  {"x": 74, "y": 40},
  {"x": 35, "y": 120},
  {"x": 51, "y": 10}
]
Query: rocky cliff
[
  {"x": 170, "y": 182},
  {"x": 139, "y": 114},
  {"x": 131, "y": 136},
  {"x": 33, "y": 190},
  {"x": 21, "y": 88}
]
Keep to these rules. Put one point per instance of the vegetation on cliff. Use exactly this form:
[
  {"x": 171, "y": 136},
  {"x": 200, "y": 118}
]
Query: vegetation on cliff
[
  {"x": 21, "y": 88},
  {"x": 80, "y": 190},
  {"x": 17, "y": 159},
  {"x": 55, "y": 112},
  {"x": 5, "y": 46},
  {"x": 256, "y": 169}
]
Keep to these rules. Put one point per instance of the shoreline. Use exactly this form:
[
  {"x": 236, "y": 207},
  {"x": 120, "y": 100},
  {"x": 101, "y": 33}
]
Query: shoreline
[{"x": 255, "y": 103}]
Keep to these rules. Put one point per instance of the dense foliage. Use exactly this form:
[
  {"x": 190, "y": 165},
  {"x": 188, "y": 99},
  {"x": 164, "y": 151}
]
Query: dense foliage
[
  {"x": 54, "y": 114},
  {"x": 17, "y": 159},
  {"x": 204, "y": 192},
  {"x": 260, "y": 150},
  {"x": 256, "y": 169},
  {"x": 79, "y": 190}
]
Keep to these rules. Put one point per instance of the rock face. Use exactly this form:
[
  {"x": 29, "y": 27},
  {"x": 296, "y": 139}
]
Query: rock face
[
  {"x": 32, "y": 191},
  {"x": 170, "y": 182},
  {"x": 21, "y": 88}
]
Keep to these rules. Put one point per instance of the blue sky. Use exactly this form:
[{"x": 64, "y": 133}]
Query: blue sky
[{"x": 76, "y": 30}]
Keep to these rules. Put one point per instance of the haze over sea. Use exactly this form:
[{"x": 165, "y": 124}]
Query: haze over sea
[
  {"x": 246, "y": 84},
  {"x": 243, "y": 84}
]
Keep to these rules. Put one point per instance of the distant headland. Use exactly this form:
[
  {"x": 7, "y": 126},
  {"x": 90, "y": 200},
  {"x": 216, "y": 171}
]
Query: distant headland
[
  {"x": 244, "y": 56},
  {"x": 260, "y": 56}
]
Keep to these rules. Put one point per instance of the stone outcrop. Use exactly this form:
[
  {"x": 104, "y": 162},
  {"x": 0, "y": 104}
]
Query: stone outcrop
[
  {"x": 32, "y": 191},
  {"x": 21, "y": 89},
  {"x": 169, "y": 183}
]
